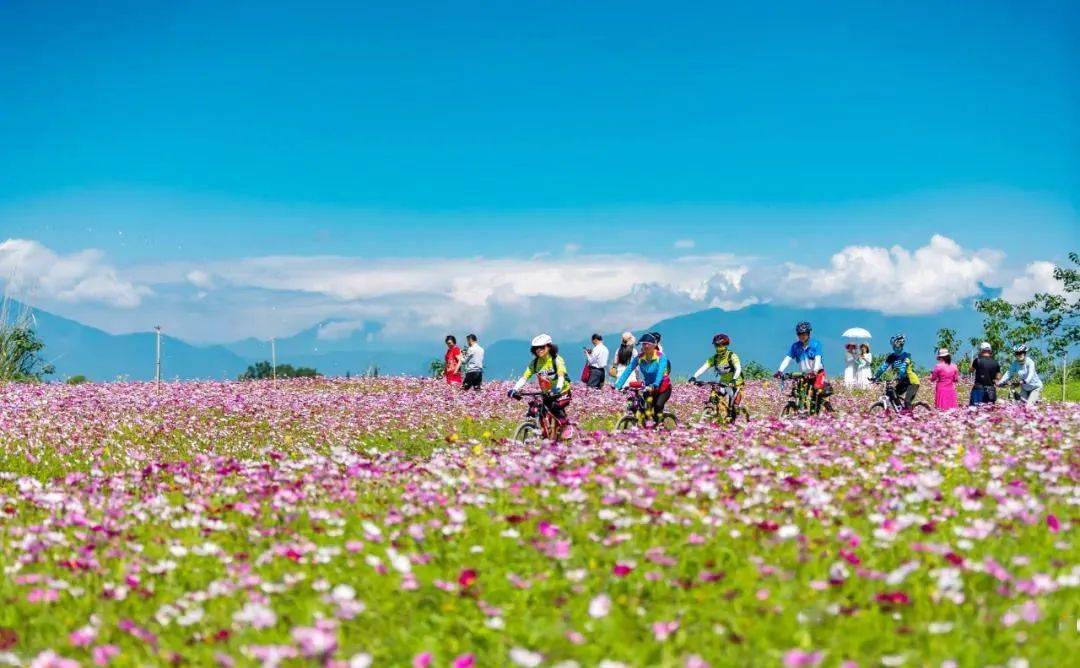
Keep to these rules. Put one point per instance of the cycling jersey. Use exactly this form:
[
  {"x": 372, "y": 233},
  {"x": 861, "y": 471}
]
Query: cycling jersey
[
  {"x": 654, "y": 372},
  {"x": 807, "y": 356},
  {"x": 727, "y": 366},
  {"x": 902, "y": 364},
  {"x": 550, "y": 375}
]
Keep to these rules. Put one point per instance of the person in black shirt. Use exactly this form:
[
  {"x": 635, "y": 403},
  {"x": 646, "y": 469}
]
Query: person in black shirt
[{"x": 987, "y": 371}]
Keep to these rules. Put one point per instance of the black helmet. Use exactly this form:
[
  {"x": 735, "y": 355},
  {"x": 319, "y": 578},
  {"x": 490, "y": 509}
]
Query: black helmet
[
  {"x": 721, "y": 340},
  {"x": 802, "y": 328},
  {"x": 651, "y": 337}
]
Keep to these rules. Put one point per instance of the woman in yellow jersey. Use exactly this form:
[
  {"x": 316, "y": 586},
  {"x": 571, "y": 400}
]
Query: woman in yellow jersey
[{"x": 550, "y": 370}]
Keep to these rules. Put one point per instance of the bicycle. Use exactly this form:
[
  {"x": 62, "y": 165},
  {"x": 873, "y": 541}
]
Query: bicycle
[
  {"x": 891, "y": 403},
  {"x": 712, "y": 412},
  {"x": 639, "y": 411},
  {"x": 804, "y": 399},
  {"x": 539, "y": 423}
]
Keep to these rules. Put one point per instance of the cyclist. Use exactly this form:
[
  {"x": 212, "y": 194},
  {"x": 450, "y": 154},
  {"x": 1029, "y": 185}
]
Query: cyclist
[
  {"x": 1023, "y": 369},
  {"x": 900, "y": 361},
  {"x": 726, "y": 364},
  {"x": 655, "y": 370},
  {"x": 805, "y": 352},
  {"x": 550, "y": 370}
]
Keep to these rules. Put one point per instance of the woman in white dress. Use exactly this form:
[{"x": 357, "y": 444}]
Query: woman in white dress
[
  {"x": 851, "y": 365},
  {"x": 863, "y": 370}
]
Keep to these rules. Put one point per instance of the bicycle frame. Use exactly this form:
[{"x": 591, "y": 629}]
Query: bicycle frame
[{"x": 538, "y": 411}]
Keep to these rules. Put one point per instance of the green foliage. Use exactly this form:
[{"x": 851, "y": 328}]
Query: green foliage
[
  {"x": 437, "y": 368},
  {"x": 20, "y": 347},
  {"x": 754, "y": 370},
  {"x": 264, "y": 371},
  {"x": 77, "y": 379},
  {"x": 947, "y": 338}
]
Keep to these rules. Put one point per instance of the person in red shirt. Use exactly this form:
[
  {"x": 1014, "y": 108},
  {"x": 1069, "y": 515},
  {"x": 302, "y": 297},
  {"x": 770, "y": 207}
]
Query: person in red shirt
[{"x": 453, "y": 361}]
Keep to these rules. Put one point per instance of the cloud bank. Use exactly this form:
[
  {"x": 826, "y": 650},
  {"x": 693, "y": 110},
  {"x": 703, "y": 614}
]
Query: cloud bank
[{"x": 400, "y": 300}]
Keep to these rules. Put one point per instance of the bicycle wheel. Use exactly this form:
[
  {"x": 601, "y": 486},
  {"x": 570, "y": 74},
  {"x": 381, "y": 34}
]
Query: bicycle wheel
[
  {"x": 790, "y": 409},
  {"x": 626, "y": 423},
  {"x": 527, "y": 433},
  {"x": 877, "y": 408},
  {"x": 708, "y": 415},
  {"x": 668, "y": 422},
  {"x": 741, "y": 415},
  {"x": 920, "y": 409}
]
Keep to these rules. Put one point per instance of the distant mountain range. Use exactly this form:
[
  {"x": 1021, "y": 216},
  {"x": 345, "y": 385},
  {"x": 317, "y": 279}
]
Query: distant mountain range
[{"x": 761, "y": 333}]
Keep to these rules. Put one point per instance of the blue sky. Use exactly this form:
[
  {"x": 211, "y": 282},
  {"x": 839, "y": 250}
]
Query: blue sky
[{"x": 205, "y": 132}]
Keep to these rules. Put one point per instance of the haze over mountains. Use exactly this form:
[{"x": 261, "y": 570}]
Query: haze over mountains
[{"x": 760, "y": 332}]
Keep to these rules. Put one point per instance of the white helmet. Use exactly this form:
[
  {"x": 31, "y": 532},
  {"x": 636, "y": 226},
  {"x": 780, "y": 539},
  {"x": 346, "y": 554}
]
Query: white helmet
[
  {"x": 985, "y": 345},
  {"x": 541, "y": 340}
]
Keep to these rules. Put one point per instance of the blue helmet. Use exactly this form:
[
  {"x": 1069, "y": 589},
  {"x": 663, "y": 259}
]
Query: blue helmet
[
  {"x": 802, "y": 328},
  {"x": 898, "y": 341}
]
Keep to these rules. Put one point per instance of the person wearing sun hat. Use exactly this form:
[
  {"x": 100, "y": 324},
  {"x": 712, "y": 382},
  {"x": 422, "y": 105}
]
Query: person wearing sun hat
[
  {"x": 945, "y": 376},
  {"x": 624, "y": 356}
]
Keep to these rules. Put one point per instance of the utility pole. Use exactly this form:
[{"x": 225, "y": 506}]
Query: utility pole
[
  {"x": 157, "y": 357},
  {"x": 273, "y": 358}
]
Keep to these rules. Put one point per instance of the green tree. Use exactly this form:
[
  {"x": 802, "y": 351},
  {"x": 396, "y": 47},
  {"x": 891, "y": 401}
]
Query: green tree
[
  {"x": 20, "y": 347},
  {"x": 754, "y": 370},
  {"x": 437, "y": 368},
  {"x": 77, "y": 379},
  {"x": 947, "y": 338},
  {"x": 264, "y": 371}
]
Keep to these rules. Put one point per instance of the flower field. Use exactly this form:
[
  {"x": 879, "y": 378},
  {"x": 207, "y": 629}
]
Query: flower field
[{"x": 388, "y": 522}]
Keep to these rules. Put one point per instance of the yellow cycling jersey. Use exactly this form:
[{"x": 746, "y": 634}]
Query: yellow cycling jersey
[
  {"x": 548, "y": 374},
  {"x": 725, "y": 363}
]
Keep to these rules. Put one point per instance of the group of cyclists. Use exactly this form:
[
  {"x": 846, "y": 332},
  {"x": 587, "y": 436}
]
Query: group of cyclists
[{"x": 650, "y": 372}]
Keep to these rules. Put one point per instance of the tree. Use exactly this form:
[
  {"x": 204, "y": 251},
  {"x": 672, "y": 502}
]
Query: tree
[
  {"x": 77, "y": 379},
  {"x": 264, "y": 371},
  {"x": 20, "y": 347},
  {"x": 946, "y": 338},
  {"x": 437, "y": 368},
  {"x": 754, "y": 370}
]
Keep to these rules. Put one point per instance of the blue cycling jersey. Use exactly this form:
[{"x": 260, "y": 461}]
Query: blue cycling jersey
[{"x": 804, "y": 355}]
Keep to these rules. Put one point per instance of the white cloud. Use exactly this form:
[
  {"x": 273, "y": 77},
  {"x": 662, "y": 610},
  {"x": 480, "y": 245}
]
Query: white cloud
[
  {"x": 894, "y": 280},
  {"x": 1038, "y": 277},
  {"x": 684, "y": 244},
  {"x": 31, "y": 270}
]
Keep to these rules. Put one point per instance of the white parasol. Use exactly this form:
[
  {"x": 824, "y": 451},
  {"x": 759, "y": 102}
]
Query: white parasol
[{"x": 857, "y": 333}]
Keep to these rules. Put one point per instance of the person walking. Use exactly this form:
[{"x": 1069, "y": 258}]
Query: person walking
[
  {"x": 945, "y": 376},
  {"x": 452, "y": 361},
  {"x": 597, "y": 359},
  {"x": 987, "y": 371},
  {"x": 472, "y": 362},
  {"x": 623, "y": 356}
]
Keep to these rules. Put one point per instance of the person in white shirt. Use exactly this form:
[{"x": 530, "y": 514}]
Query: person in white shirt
[
  {"x": 472, "y": 363},
  {"x": 1023, "y": 368},
  {"x": 597, "y": 359}
]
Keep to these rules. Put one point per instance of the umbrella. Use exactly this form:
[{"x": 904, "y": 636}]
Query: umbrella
[{"x": 856, "y": 333}]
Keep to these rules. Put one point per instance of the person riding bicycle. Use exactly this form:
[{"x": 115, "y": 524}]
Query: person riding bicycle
[
  {"x": 806, "y": 353},
  {"x": 1023, "y": 370},
  {"x": 901, "y": 363},
  {"x": 550, "y": 370},
  {"x": 726, "y": 364},
  {"x": 655, "y": 370}
]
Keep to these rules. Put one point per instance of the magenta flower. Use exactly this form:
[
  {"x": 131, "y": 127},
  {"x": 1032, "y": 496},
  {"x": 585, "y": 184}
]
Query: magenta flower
[
  {"x": 797, "y": 658},
  {"x": 464, "y": 661}
]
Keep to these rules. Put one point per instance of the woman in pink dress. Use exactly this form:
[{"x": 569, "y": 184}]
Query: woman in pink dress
[{"x": 945, "y": 375}]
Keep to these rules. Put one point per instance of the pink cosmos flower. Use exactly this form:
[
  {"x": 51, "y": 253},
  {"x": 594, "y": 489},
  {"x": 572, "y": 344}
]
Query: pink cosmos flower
[
  {"x": 81, "y": 637},
  {"x": 621, "y": 569},
  {"x": 50, "y": 659},
  {"x": 1053, "y": 523},
  {"x": 600, "y": 606},
  {"x": 797, "y": 658},
  {"x": 422, "y": 660},
  {"x": 663, "y": 630},
  {"x": 314, "y": 642},
  {"x": 466, "y": 578},
  {"x": 547, "y": 529},
  {"x": 464, "y": 661},
  {"x": 103, "y": 654}
]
